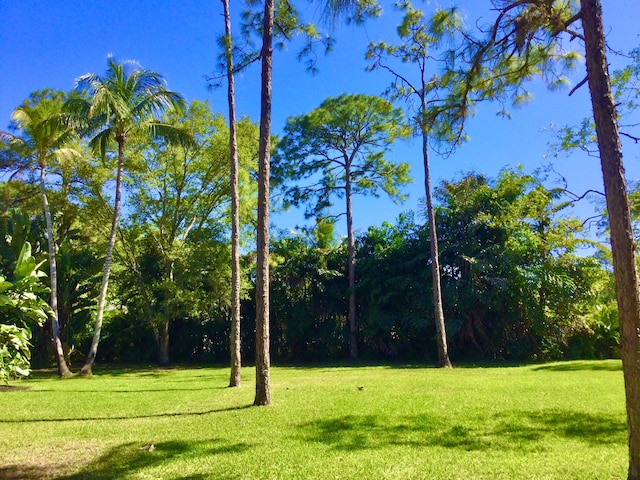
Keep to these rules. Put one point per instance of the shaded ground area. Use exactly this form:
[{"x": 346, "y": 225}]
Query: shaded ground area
[
  {"x": 13, "y": 388},
  {"x": 508, "y": 430}
]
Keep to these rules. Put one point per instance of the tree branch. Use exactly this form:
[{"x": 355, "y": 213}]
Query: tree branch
[{"x": 580, "y": 84}]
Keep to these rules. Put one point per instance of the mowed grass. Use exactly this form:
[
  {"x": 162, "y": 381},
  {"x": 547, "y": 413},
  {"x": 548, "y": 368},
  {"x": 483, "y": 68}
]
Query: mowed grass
[{"x": 551, "y": 421}]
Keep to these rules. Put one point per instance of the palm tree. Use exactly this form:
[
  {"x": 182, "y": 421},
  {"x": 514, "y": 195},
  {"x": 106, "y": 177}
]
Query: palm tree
[
  {"x": 44, "y": 138},
  {"x": 123, "y": 102}
]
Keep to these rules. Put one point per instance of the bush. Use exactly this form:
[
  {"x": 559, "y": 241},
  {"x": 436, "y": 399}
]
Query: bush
[{"x": 20, "y": 306}]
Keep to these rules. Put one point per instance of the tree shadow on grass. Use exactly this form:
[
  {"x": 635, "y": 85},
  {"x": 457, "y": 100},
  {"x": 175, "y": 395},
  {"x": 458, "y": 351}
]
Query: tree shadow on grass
[
  {"x": 360, "y": 432},
  {"x": 26, "y": 472},
  {"x": 127, "y": 417},
  {"x": 124, "y": 460},
  {"x": 128, "y": 391},
  {"x": 14, "y": 388},
  {"x": 509, "y": 430},
  {"x": 582, "y": 365}
]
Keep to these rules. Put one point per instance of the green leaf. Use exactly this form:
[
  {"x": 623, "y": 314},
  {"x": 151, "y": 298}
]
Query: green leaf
[{"x": 26, "y": 264}]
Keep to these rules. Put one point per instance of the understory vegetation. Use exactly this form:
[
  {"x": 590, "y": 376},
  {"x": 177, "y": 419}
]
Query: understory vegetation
[{"x": 516, "y": 283}]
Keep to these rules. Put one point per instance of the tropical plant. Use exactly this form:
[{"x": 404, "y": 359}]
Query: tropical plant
[
  {"x": 113, "y": 108},
  {"x": 45, "y": 137},
  {"x": 309, "y": 295},
  {"x": 20, "y": 308},
  {"x": 515, "y": 286}
]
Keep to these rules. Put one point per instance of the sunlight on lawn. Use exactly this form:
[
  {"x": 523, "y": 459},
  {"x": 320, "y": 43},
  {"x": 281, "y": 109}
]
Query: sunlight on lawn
[{"x": 561, "y": 420}]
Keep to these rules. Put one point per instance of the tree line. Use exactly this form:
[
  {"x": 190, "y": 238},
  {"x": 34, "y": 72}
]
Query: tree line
[{"x": 516, "y": 284}]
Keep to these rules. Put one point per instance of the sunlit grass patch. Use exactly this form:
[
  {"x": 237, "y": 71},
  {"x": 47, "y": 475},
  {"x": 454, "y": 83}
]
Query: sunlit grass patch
[{"x": 553, "y": 421}]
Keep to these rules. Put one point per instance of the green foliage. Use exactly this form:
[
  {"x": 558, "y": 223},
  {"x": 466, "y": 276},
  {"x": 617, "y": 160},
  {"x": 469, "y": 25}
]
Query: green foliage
[
  {"x": 308, "y": 296},
  {"x": 338, "y": 146},
  {"x": 42, "y": 138},
  {"x": 352, "y": 11},
  {"x": 508, "y": 241},
  {"x": 414, "y": 63},
  {"x": 17, "y": 227},
  {"x": 173, "y": 241},
  {"x": 15, "y": 355},
  {"x": 394, "y": 291},
  {"x": 126, "y": 100},
  {"x": 523, "y": 41},
  {"x": 79, "y": 271},
  {"x": 288, "y": 26},
  {"x": 514, "y": 283},
  {"x": 625, "y": 84},
  {"x": 20, "y": 307}
]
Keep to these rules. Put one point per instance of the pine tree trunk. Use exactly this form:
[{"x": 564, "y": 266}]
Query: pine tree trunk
[
  {"x": 63, "y": 369},
  {"x": 441, "y": 334},
  {"x": 351, "y": 268},
  {"x": 162, "y": 340},
  {"x": 234, "y": 347},
  {"x": 622, "y": 241},
  {"x": 87, "y": 368},
  {"x": 263, "y": 386}
]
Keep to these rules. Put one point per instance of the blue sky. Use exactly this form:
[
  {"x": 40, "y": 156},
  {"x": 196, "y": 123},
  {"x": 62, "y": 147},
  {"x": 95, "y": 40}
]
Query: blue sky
[{"x": 49, "y": 44}]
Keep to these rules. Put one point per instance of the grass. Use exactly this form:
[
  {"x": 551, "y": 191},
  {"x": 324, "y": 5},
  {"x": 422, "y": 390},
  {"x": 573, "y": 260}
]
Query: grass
[{"x": 552, "y": 421}]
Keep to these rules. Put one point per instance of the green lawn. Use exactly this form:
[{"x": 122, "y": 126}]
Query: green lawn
[{"x": 551, "y": 421}]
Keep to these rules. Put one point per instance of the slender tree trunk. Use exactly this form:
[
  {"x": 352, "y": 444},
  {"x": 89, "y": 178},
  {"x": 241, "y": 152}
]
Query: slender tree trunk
[
  {"x": 263, "y": 383},
  {"x": 351, "y": 268},
  {"x": 441, "y": 334},
  {"x": 622, "y": 242},
  {"x": 63, "y": 369},
  {"x": 87, "y": 368},
  {"x": 234, "y": 347},
  {"x": 162, "y": 340}
]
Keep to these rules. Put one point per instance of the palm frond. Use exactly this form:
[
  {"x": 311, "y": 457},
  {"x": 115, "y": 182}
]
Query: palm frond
[
  {"x": 169, "y": 133},
  {"x": 101, "y": 141},
  {"x": 66, "y": 154},
  {"x": 158, "y": 102}
]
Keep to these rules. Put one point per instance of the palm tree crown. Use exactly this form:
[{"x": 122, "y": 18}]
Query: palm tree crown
[
  {"x": 125, "y": 99},
  {"x": 43, "y": 132}
]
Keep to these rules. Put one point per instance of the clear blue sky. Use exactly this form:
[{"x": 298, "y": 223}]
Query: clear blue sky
[{"x": 49, "y": 44}]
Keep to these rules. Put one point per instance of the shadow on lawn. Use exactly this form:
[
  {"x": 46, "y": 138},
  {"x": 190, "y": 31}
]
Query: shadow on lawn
[
  {"x": 509, "y": 430},
  {"x": 579, "y": 365},
  {"x": 124, "y": 460},
  {"x": 128, "y": 417},
  {"x": 127, "y": 391}
]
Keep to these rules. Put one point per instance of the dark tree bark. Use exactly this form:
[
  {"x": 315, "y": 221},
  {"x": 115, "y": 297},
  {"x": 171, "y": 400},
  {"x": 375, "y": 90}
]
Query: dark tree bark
[
  {"x": 263, "y": 386},
  {"x": 441, "y": 334},
  {"x": 162, "y": 340},
  {"x": 351, "y": 268},
  {"x": 234, "y": 347},
  {"x": 623, "y": 246}
]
